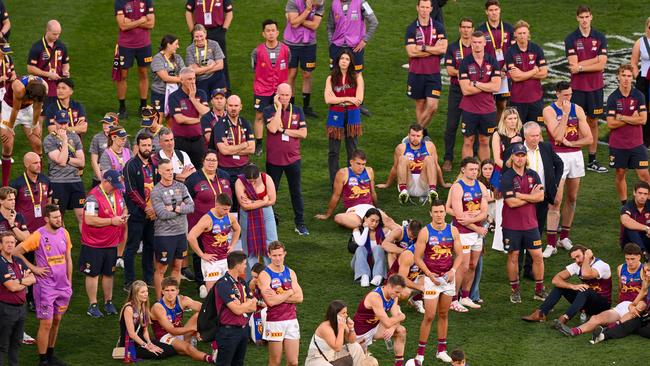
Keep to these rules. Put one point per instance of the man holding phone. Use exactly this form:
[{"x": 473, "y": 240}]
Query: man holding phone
[{"x": 102, "y": 229}]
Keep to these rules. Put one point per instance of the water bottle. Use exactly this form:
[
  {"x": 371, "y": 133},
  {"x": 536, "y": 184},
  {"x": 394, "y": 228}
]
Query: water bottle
[
  {"x": 389, "y": 344},
  {"x": 583, "y": 317}
]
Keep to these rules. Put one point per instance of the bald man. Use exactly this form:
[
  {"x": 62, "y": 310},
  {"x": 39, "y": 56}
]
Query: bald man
[
  {"x": 48, "y": 58},
  {"x": 286, "y": 126}
]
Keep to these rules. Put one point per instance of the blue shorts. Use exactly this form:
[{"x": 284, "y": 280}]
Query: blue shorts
[
  {"x": 484, "y": 124},
  {"x": 97, "y": 261},
  {"x": 516, "y": 240},
  {"x": 590, "y": 101},
  {"x": 142, "y": 55},
  {"x": 530, "y": 111},
  {"x": 335, "y": 51},
  {"x": 68, "y": 195},
  {"x": 421, "y": 86},
  {"x": 634, "y": 158},
  {"x": 168, "y": 248},
  {"x": 305, "y": 56},
  {"x": 215, "y": 81},
  {"x": 262, "y": 102}
]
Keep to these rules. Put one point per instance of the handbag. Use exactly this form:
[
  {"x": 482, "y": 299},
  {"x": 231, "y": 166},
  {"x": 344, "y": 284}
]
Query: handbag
[
  {"x": 343, "y": 361},
  {"x": 352, "y": 245},
  {"x": 118, "y": 353}
]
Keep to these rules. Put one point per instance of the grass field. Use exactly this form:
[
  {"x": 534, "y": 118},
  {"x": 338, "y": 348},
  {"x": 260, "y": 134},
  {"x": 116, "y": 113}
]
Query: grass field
[{"x": 493, "y": 335}]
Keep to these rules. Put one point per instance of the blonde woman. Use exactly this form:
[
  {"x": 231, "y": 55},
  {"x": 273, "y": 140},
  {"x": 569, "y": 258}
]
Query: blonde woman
[
  {"x": 134, "y": 333},
  {"x": 509, "y": 131}
]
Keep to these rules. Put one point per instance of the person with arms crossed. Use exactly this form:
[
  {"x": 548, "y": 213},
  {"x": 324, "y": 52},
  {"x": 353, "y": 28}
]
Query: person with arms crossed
[
  {"x": 281, "y": 292},
  {"x": 286, "y": 128},
  {"x": 135, "y": 20},
  {"x": 522, "y": 191},
  {"x": 568, "y": 131},
  {"x": 478, "y": 76},
  {"x": 53, "y": 288},
  {"x": 218, "y": 111},
  {"x": 102, "y": 230},
  {"x": 372, "y": 322},
  {"x": 635, "y": 219},
  {"x": 456, "y": 52},
  {"x": 468, "y": 201},
  {"x": 64, "y": 88},
  {"x": 438, "y": 254},
  {"x": 425, "y": 43},
  {"x": 627, "y": 113},
  {"x": 641, "y": 54},
  {"x": 303, "y": 19},
  {"x": 586, "y": 52}
]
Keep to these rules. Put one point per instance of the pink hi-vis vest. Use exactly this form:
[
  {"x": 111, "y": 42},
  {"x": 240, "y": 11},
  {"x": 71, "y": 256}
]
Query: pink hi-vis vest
[
  {"x": 106, "y": 236},
  {"x": 349, "y": 28},
  {"x": 267, "y": 76},
  {"x": 116, "y": 164},
  {"x": 300, "y": 34}
]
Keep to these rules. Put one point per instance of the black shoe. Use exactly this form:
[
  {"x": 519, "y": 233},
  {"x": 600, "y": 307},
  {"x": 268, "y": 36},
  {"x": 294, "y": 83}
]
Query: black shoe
[
  {"x": 31, "y": 306},
  {"x": 53, "y": 361},
  {"x": 309, "y": 112},
  {"x": 187, "y": 274},
  {"x": 364, "y": 111},
  {"x": 259, "y": 150},
  {"x": 122, "y": 115},
  {"x": 43, "y": 363}
]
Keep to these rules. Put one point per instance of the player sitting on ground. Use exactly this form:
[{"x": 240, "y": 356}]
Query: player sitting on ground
[{"x": 397, "y": 241}]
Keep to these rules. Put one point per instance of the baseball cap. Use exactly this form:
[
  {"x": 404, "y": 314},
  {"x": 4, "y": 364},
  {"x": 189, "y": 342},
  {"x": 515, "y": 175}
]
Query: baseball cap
[
  {"x": 147, "y": 113},
  {"x": 114, "y": 178},
  {"x": 112, "y": 116},
  {"x": 62, "y": 117},
  {"x": 108, "y": 120},
  {"x": 217, "y": 91},
  {"x": 5, "y": 47},
  {"x": 118, "y": 131},
  {"x": 518, "y": 149}
]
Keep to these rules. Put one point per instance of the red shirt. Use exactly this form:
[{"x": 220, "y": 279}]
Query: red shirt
[
  {"x": 483, "y": 102},
  {"x": 428, "y": 34},
  {"x": 527, "y": 91},
  {"x": 29, "y": 195},
  {"x": 11, "y": 271},
  {"x": 586, "y": 48},
  {"x": 281, "y": 149},
  {"x": 134, "y": 10},
  {"x": 522, "y": 217}
]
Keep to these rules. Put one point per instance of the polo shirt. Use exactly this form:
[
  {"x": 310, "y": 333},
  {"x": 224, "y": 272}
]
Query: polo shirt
[
  {"x": 76, "y": 112},
  {"x": 527, "y": 91},
  {"x": 49, "y": 59},
  {"x": 455, "y": 54},
  {"x": 216, "y": 8},
  {"x": 424, "y": 34},
  {"x": 595, "y": 44},
  {"x": 483, "y": 102},
  {"x": 628, "y": 136},
  {"x": 11, "y": 271},
  {"x": 522, "y": 217},
  {"x": 235, "y": 135},
  {"x": 179, "y": 102},
  {"x": 28, "y": 195},
  {"x": 281, "y": 149},
  {"x": 495, "y": 39},
  {"x": 134, "y": 9},
  {"x": 229, "y": 290}
]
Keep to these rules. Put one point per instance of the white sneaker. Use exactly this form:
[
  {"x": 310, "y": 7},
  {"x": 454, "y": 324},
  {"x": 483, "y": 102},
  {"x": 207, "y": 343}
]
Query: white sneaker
[
  {"x": 418, "y": 305},
  {"x": 443, "y": 356},
  {"x": 549, "y": 251},
  {"x": 377, "y": 280},
  {"x": 457, "y": 307},
  {"x": 365, "y": 281},
  {"x": 203, "y": 292},
  {"x": 119, "y": 263},
  {"x": 467, "y": 302},
  {"x": 27, "y": 339},
  {"x": 566, "y": 243},
  {"x": 215, "y": 352}
]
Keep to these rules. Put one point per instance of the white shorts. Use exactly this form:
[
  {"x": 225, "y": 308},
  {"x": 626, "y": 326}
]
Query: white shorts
[
  {"x": 417, "y": 186},
  {"x": 471, "y": 242},
  {"x": 574, "y": 164},
  {"x": 169, "y": 339},
  {"x": 432, "y": 291},
  {"x": 281, "y": 330},
  {"x": 367, "y": 337},
  {"x": 622, "y": 308},
  {"x": 25, "y": 116},
  {"x": 360, "y": 210},
  {"x": 213, "y": 271}
]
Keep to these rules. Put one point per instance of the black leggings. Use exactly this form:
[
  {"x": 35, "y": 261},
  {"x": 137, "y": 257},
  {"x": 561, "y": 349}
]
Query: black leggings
[
  {"x": 636, "y": 325},
  {"x": 168, "y": 350}
]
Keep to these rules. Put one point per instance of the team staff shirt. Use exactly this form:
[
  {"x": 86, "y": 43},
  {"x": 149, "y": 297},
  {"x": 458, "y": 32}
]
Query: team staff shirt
[
  {"x": 456, "y": 52},
  {"x": 627, "y": 136},
  {"x": 420, "y": 35},
  {"x": 31, "y": 198},
  {"x": 201, "y": 55},
  {"x": 527, "y": 91},
  {"x": 209, "y": 13},
  {"x": 76, "y": 112},
  {"x": 11, "y": 271},
  {"x": 283, "y": 150},
  {"x": 58, "y": 173},
  {"x": 19, "y": 222},
  {"x": 228, "y": 290},
  {"x": 204, "y": 192},
  {"x": 234, "y": 135},
  {"x": 642, "y": 217},
  {"x": 170, "y": 223},
  {"x": 497, "y": 40},
  {"x": 595, "y": 44},
  {"x": 134, "y": 10},
  {"x": 303, "y": 35},
  {"x": 50, "y": 252},
  {"x": 523, "y": 217},
  {"x": 179, "y": 102},
  {"x": 602, "y": 284},
  {"x": 173, "y": 67},
  {"x": 49, "y": 59},
  {"x": 101, "y": 204},
  {"x": 483, "y": 102}
]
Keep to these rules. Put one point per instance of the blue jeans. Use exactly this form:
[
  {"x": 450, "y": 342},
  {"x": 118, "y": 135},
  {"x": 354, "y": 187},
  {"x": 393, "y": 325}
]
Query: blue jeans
[
  {"x": 270, "y": 229},
  {"x": 474, "y": 292},
  {"x": 637, "y": 237},
  {"x": 360, "y": 262}
]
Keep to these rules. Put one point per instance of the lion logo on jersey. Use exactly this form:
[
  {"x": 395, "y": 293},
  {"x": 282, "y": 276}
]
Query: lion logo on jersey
[
  {"x": 440, "y": 252},
  {"x": 359, "y": 192}
]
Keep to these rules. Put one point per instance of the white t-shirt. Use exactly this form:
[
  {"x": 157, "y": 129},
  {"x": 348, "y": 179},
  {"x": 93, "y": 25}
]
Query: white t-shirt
[
  {"x": 604, "y": 272},
  {"x": 176, "y": 162}
]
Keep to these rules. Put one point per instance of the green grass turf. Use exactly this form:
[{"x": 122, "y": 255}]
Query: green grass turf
[{"x": 493, "y": 335}]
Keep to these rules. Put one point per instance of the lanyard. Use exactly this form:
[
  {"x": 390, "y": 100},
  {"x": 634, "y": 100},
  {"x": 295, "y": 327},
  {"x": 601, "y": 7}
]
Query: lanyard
[
  {"x": 205, "y": 52},
  {"x": 169, "y": 63},
  {"x": 112, "y": 205},
  {"x": 120, "y": 159},
  {"x": 288, "y": 119},
  {"x": 232, "y": 132},
  {"x": 49, "y": 55},
  {"x": 71, "y": 148},
  {"x": 210, "y": 184},
  {"x": 211, "y": 6},
  {"x": 29, "y": 189},
  {"x": 69, "y": 110},
  {"x": 424, "y": 39},
  {"x": 503, "y": 38},
  {"x": 536, "y": 158}
]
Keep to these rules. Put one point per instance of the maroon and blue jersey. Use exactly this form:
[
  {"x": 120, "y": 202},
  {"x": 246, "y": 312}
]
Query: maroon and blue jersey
[
  {"x": 527, "y": 91},
  {"x": 175, "y": 316},
  {"x": 586, "y": 48},
  {"x": 572, "y": 131},
  {"x": 365, "y": 319},
  {"x": 420, "y": 35},
  {"x": 280, "y": 282},
  {"x": 471, "y": 199},
  {"x": 630, "y": 283},
  {"x": 483, "y": 102},
  {"x": 215, "y": 241},
  {"x": 438, "y": 252},
  {"x": 414, "y": 270},
  {"x": 357, "y": 190},
  {"x": 416, "y": 157},
  {"x": 627, "y": 136}
]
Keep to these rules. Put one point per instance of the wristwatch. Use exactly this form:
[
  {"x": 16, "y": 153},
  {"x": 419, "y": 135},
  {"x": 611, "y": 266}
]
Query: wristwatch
[{"x": 474, "y": 83}]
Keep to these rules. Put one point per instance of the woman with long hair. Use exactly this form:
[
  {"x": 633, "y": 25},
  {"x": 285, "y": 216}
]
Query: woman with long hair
[
  {"x": 134, "y": 323},
  {"x": 334, "y": 338},
  {"x": 165, "y": 67},
  {"x": 509, "y": 131},
  {"x": 344, "y": 91},
  {"x": 369, "y": 258}
]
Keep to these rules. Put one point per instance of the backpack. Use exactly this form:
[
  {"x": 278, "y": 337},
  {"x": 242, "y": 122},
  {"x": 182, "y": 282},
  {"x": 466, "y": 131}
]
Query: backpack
[{"x": 208, "y": 321}]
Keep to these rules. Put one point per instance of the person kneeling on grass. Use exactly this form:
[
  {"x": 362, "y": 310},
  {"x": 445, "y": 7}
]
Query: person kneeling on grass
[
  {"x": 629, "y": 286},
  {"x": 593, "y": 295},
  {"x": 167, "y": 321}
]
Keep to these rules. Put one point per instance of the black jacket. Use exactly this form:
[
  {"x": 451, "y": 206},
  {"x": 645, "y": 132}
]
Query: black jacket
[
  {"x": 553, "y": 168},
  {"x": 134, "y": 183}
]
